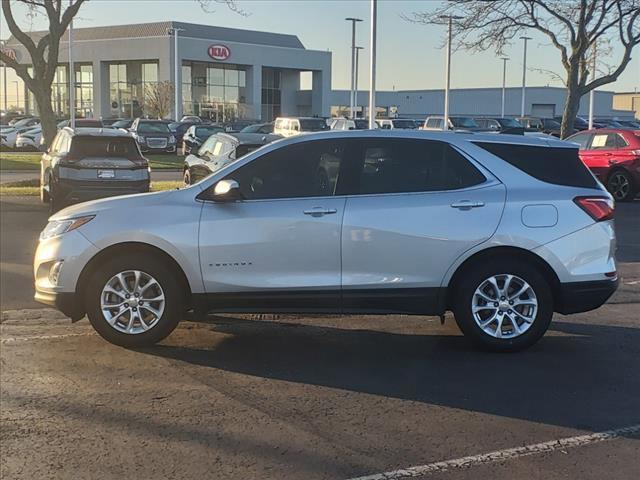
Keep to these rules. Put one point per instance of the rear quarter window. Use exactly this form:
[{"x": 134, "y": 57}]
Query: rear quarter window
[{"x": 556, "y": 165}]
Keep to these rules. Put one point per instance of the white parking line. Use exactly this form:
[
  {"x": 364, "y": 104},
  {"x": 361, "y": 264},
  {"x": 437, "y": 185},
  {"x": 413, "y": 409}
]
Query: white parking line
[
  {"x": 43, "y": 337},
  {"x": 502, "y": 455}
]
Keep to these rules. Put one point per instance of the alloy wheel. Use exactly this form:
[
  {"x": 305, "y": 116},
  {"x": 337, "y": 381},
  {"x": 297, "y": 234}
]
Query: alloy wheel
[
  {"x": 132, "y": 302},
  {"x": 619, "y": 186},
  {"x": 504, "y": 306}
]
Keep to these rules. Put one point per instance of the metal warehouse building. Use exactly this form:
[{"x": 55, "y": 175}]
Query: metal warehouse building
[{"x": 225, "y": 73}]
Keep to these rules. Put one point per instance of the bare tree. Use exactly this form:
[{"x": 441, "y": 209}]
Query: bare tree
[
  {"x": 158, "y": 97},
  {"x": 574, "y": 28},
  {"x": 43, "y": 52}
]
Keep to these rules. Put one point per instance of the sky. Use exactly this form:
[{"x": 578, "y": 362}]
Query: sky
[{"x": 410, "y": 56}]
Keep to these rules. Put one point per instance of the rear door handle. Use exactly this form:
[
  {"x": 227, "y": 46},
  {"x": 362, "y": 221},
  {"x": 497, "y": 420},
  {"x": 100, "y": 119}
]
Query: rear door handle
[
  {"x": 467, "y": 204},
  {"x": 319, "y": 211}
]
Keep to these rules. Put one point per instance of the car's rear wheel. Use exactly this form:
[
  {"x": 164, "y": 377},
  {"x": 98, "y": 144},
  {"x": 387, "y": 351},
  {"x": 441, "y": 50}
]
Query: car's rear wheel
[
  {"x": 503, "y": 306},
  {"x": 621, "y": 186},
  {"x": 134, "y": 300}
]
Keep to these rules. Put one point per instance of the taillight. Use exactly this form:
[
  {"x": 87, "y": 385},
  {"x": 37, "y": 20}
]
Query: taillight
[{"x": 598, "y": 208}]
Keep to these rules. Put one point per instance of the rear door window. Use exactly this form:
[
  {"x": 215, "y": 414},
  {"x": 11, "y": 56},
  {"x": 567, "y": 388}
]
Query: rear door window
[
  {"x": 556, "y": 165},
  {"x": 581, "y": 139},
  {"x": 603, "y": 141},
  {"x": 409, "y": 165}
]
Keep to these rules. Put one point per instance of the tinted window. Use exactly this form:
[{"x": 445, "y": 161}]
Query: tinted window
[
  {"x": 408, "y": 124},
  {"x": 404, "y": 165},
  {"x": 620, "y": 142},
  {"x": 463, "y": 122},
  {"x": 361, "y": 124},
  {"x": 308, "y": 169},
  {"x": 146, "y": 127},
  {"x": 560, "y": 166},
  {"x": 313, "y": 124},
  {"x": 581, "y": 139},
  {"x": 434, "y": 123},
  {"x": 204, "y": 132},
  {"x": 83, "y": 147},
  {"x": 510, "y": 123}
]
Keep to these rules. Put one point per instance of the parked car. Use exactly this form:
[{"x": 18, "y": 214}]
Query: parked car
[
  {"x": 82, "y": 122},
  {"x": 124, "y": 123},
  {"x": 237, "y": 125},
  {"x": 9, "y": 134},
  {"x": 108, "y": 122},
  {"x": 349, "y": 124},
  {"x": 502, "y": 230},
  {"x": 289, "y": 126},
  {"x": 579, "y": 123},
  {"x": 153, "y": 136},
  {"x": 500, "y": 125},
  {"x": 396, "y": 123},
  {"x": 179, "y": 128},
  {"x": 436, "y": 122},
  {"x": 613, "y": 155},
  {"x": 542, "y": 125},
  {"x": 29, "y": 139},
  {"x": 219, "y": 150},
  {"x": 191, "y": 119},
  {"x": 258, "y": 128},
  {"x": 196, "y": 135},
  {"x": 633, "y": 124},
  {"x": 88, "y": 163}
]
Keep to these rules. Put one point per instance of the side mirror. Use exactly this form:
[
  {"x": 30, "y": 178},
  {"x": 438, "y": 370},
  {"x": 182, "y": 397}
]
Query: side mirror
[{"x": 226, "y": 191}]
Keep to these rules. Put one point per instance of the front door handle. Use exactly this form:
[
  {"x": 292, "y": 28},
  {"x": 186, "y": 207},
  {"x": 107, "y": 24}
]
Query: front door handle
[
  {"x": 467, "y": 204},
  {"x": 319, "y": 211}
]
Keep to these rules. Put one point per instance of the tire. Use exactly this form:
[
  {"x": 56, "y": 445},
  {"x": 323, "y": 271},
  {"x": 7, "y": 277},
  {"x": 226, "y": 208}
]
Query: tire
[
  {"x": 620, "y": 185},
  {"x": 55, "y": 202},
  {"x": 146, "y": 328},
  {"x": 187, "y": 177},
  {"x": 509, "y": 339},
  {"x": 44, "y": 194}
]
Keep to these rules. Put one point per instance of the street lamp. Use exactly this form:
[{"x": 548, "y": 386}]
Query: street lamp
[
  {"x": 592, "y": 92},
  {"x": 450, "y": 18},
  {"x": 504, "y": 83},
  {"x": 372, "y": 65},
  {"x": 177, "y": 90},
  {"x": 353, "y": 61},
  {"x": 355, "y": 93},
  {"x": 524, "y": 74},
  {"x": 72, "y": 77}
]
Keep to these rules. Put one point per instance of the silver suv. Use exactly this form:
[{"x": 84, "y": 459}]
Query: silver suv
[{"x": 502, "y": 230}]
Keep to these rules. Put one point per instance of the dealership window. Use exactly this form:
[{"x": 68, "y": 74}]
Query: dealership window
[
  {"x": 60, "y": 91},
  {"x": 213, "y": 90},
  {"x": 128, "y": 82},
  {"x": 271, "y": 94}
]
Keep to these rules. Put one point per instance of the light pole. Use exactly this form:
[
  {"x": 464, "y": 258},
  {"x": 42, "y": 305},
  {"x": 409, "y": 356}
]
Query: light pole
[
  {"x": 72, "y": 77},
  {"x": 17, "y": 95},
  {"x": 355, "y": 92},
  {"x": 450, "y": 18},
  {"x": 4, "y": 80},
  {"x": 353, "y": 62},
  {"x": 591, "y": 92},
  {"x": 177, "y": 90},
  {"x": 372, "y": 66},
  {"x": 504, "y": 83},
  {"x": 524, "y": 74}
]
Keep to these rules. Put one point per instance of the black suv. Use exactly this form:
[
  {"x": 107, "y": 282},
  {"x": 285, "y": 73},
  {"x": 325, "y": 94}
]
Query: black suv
[
  {"x": 153, "y": 136},
  {"x": 220, "y": 150},
  {"x": 89, "y": 163}
]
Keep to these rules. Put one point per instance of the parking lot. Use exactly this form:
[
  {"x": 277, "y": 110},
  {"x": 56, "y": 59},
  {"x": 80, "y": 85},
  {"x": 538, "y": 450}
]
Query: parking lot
[{"x": 241, "y": 397}]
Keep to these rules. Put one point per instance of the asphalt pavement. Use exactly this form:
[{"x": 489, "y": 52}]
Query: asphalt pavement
[{"x": 320, "y": 397}]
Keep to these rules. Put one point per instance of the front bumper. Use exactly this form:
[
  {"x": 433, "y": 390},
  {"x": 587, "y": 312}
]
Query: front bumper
[
  {"x": 171, "y": 148},
  {"x": 576, "y": 297},
  {"x": 66, "y": 302}
]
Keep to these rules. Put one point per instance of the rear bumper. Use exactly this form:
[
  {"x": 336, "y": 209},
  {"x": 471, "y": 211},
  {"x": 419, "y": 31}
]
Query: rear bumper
[
  {"x": 578, "y": 297},
  {"x": 66, "y": 302},
  {"x": 83, "y": 190}
]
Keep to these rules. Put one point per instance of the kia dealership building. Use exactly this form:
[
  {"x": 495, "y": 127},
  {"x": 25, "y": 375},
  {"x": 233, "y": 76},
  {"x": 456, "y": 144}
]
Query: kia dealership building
[{"x": 224, "y": 73}]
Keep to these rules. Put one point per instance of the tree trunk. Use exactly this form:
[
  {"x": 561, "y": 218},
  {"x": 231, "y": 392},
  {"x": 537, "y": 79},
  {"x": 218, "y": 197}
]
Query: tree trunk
[
  {"x": 48, "y": 118},
  {"x": 572, "y": 103}
]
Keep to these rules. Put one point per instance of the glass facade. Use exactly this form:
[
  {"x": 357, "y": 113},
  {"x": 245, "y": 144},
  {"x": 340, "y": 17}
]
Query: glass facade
[
  {"x": 128, "y": 82},
  {"x": 60, "y": 91},
  {"x": 215, "y": 91},
  {"x": 271, "y": 94}
]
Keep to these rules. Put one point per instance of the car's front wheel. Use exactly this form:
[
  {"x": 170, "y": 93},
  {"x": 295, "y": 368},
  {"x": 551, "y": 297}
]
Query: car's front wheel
[
  {"x": 621, "y": 186},
  {"x": 134, "y": 300},
  {"x": 503, "y": 306}
]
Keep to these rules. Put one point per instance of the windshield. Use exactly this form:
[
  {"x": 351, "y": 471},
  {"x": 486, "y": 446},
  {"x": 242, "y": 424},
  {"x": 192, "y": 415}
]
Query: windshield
[
  {"x": 361, "y": 124},
  {"x": 252, "y": 128},
  {"x": 400, "y": 123},
  {"x": 313, "y": 124},
  {"x": 463, "y": 122},
  {"x": 121, "y": 124},
  {"x": 155, "y": 127},
  {"x": 510, "y": 123},
  {"x": 202, "y": 132}
]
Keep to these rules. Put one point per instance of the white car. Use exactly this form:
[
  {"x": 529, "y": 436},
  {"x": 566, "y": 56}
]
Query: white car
[
  {"x": 503, "y": 230},
  {"x": 9, "y": 134},
  {"x": 30, "y": 139}
]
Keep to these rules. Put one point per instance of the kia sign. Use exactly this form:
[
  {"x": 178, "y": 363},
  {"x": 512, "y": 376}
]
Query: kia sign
[{"x": 219, "y": 52}]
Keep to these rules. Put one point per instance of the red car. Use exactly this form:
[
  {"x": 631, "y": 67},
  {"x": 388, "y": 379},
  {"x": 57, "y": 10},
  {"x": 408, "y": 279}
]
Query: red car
[{"x": 613, "y": 155}]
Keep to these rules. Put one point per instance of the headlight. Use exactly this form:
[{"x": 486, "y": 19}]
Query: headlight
[
  {"x": 172, "y": 139},
  {"x": 58, "y": 227}
]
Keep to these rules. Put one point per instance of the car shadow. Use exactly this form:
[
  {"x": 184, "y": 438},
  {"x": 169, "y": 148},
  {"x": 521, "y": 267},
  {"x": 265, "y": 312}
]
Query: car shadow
[{"x": 566, "y": 379}]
